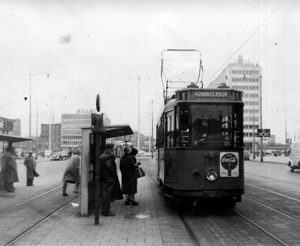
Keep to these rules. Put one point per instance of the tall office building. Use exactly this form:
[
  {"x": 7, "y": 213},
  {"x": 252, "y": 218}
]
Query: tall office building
[
  {"x": 44, "y": 140},
  {"x": 71, "y": 125},
  {"x": 245, "y": 76}
]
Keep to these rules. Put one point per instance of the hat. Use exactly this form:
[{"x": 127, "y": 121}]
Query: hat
[
  {"x": 77, "y": 151},
  {"x": 127, "y": 149},
  {"x": 134, "y": 151},
  {"x": 109, "y": 146},
  {"x": 30, "y": 152}
]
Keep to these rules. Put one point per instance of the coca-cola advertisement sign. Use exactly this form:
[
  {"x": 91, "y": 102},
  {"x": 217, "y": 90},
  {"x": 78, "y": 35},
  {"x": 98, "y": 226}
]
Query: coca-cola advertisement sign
[{"x": 229, "y": 164}]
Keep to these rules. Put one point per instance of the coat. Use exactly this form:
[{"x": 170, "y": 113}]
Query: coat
[
  {"x": 129, "y": 180},
  {"x": 9, "y": 168},
  {"x": 71, "y": 174},
  {"x": 109, "y": 181},
  {"x": 30, "y": 165}
]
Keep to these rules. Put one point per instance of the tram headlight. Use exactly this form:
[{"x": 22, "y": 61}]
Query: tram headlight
[{"x": 211, "y": 175}]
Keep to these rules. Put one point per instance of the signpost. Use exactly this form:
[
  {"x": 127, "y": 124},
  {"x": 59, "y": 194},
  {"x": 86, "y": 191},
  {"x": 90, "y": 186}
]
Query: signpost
[{"x": 263, "y": 133}]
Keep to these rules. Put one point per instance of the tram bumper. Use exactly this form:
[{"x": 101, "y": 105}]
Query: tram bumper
[{"x": 209, "y": 194}]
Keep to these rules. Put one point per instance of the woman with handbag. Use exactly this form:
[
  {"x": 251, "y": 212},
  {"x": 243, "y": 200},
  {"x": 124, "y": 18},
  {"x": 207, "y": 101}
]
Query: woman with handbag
[{"x": 129, "y": 180}]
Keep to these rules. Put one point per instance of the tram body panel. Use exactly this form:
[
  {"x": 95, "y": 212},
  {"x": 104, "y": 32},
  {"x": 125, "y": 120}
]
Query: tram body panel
[{"x": 186, "y": 174}]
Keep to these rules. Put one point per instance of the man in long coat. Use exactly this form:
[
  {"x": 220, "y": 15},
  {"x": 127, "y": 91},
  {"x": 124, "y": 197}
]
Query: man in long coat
[
  {"x": 110, "y": 185},
  {"x": 72, "y": 174},
  {"x": 30, "y": 164},
  {"x": 9, "y": 169}
]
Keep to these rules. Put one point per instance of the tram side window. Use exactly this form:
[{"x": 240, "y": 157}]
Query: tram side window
[
  {"x": 160, "y": 134},
  {"x": 170, "y": 130},
  {"x": 184, "y": 133}
]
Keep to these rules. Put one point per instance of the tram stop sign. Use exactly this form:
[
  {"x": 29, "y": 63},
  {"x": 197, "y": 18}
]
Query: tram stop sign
[{"x": 263, "y": 133}]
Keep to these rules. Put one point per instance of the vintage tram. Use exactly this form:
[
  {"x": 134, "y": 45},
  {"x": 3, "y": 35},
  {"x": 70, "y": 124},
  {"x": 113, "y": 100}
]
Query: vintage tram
[{"x": 200, "y": 145}]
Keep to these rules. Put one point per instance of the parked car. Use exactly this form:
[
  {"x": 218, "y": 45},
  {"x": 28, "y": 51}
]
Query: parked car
[
  {"x": 64, "y": 155},
  {"x": 294, "y": 158},
  {"x": 55, "y": 156},
  {"x": 246, "y": 155},
  {"x": 48, "y": 153}
]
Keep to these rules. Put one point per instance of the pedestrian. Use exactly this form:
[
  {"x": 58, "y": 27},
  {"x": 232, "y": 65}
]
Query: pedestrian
[
  {"x": 9, "y": 169},
  {"x": 72, "y": 174},
  {"x": 129, "y": 180},
  {"x": 30, "y": 164},
  {"x": 109, "y": 181}
]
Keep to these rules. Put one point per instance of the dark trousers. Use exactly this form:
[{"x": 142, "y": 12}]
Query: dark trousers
[
  {"x": 29, "y": 181},
  {"x": 9, "y": 186},
  {"x": 105, "y": 208}
]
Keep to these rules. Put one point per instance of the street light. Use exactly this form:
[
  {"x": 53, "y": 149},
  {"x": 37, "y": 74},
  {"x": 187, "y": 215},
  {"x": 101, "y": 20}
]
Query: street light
[
  {"x": 37, "y": 127},
  {"x": 139, "y": 79},
  {"x": 32, "y": 74},
  {"x": 285, "y": 129},
  {"x": 50, "y": 125},
  {"x": 260, "y": 111},
  {"x": 253, "y": 132}
]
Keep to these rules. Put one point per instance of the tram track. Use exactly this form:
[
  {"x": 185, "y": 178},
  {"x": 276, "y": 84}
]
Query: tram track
[
  {"x": 21, "y": 218},
  {"x": 40, "y": 222}
]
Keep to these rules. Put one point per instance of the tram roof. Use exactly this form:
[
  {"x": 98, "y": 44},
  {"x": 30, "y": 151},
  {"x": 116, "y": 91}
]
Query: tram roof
[{"x": 13, "y": 138}]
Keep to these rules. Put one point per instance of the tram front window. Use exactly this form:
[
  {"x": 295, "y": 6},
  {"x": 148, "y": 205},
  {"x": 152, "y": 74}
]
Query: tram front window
[{"x": 215, "y": 124}]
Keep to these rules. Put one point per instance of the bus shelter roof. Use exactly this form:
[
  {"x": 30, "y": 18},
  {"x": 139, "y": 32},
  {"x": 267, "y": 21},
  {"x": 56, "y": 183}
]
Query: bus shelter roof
[
  {"x": 13, "y": 138},
  {"x": 116, "y": 130}
]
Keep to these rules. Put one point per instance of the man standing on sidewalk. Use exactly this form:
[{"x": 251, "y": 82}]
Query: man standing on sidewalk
[
  {"x": 9, "y": 169},
  {"x": 30, "y": 167},
  {"x": 110, "y": 185}
]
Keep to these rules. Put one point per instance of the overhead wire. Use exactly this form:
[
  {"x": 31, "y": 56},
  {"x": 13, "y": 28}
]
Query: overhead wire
[{"x": 247, "y": 39}]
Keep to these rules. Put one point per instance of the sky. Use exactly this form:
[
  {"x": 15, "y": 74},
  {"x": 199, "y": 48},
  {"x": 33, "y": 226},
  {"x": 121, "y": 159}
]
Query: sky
[{"x": 114, "y": 48}]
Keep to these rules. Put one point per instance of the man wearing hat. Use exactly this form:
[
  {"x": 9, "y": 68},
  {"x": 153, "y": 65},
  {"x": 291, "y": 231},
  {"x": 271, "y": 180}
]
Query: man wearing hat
[
  {"x": 30, "y": 167},
  {"x": 110, "y": 185}
]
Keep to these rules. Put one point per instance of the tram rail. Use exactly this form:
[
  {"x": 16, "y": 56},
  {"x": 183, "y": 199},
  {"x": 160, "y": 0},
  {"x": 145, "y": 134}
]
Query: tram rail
[
  {"x": 40, "y": 222},
  {"x": 21, "y": 218}
]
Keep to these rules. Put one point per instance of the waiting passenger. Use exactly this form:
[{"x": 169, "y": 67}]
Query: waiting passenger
[{"x": 71, "y": 174}]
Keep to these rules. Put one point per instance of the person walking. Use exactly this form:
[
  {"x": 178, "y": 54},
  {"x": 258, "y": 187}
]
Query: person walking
[
  {"x": 30, "y": 164},
  {"x": 109, "y": 181},
  {"x": 9, "y": 169},
  {"x": 72, "y": 174},
  {"x": 129, "y": 180}
]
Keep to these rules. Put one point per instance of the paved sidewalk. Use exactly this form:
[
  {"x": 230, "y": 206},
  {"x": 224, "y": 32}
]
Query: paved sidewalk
[
  {"x": 273, "y": 159},
  {"x": 149, "y": 223}
]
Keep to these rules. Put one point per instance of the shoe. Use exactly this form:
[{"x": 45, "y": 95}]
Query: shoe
[
  {"x": 65, "y": 194},
  {"x": 76, "y": 191},
  {"x": 127, "y": 203},
  {"x": 109, "y": 214},
  {"x": 133, "y": 203},
  {"x": 10, "y": 190}
]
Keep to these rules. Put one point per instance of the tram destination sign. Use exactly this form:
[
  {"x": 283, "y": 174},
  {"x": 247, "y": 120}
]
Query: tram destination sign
[
  {"x": 210, "y": 95},
  {"x": 264, "y": 133}
]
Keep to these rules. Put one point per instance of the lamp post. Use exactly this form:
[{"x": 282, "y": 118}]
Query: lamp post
[
  {"x": 139, "y": 81},
  {"x": 52, "y": 123},
  {"x": 32, "y": 74},
  {"x": 260, "y": 112},
  {"x": 285, "y": 131},
  {"x": 253, "y": 133},
  {"x": 37, "y": 127}
]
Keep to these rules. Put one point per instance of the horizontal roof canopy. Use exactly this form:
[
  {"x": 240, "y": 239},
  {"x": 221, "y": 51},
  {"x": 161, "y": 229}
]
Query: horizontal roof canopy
[
  {"x": 116, "y": 131},
  {"x": 13, "y": 139}
]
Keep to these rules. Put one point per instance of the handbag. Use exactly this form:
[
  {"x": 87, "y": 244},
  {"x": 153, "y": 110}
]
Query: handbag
[
  {"x": 139, "y": 172},
  {"x": 35, "y": 174}
]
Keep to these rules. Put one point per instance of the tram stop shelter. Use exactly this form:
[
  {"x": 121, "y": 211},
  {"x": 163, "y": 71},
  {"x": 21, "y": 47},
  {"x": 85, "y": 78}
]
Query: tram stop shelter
[
  {"x": 7, "y": 141},
  {"x": 88, "y": 168}
]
